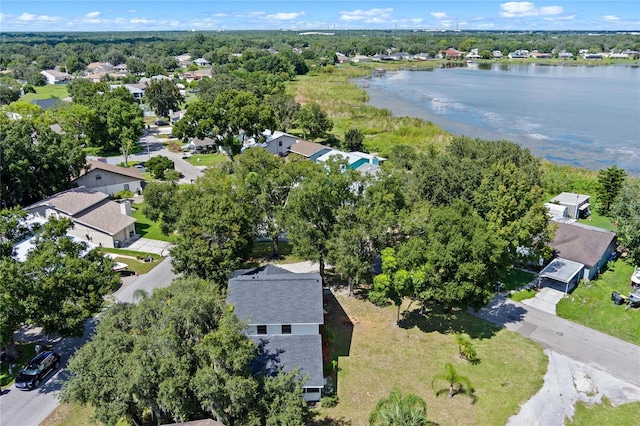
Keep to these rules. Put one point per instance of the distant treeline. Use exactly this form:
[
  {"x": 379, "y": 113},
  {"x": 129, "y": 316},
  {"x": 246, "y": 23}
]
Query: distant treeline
[{"x": 47, "y": 50}]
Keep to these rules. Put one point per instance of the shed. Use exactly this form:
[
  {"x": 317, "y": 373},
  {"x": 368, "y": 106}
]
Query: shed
[
  {"x": 577, "y": 204},
  {"x": 556, "y": 210}
]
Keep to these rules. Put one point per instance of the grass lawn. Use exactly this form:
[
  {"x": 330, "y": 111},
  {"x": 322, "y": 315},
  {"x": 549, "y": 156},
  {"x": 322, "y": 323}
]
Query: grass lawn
[
  {"x": 515, "y": 279},
  {"x": 58, "y": 91},
  {"x": 147, "y": 228},
  {"x": 375, "y": 355},
  {"x": 134, "y": 259},
  {"x": 25, "y": 353},
  {"x": 590, "y": 304},
  {"x": 519, "y": 296},
  {"x": 207, "y": 159},
  {"x": 598, "y": 221},
  {"x": 606, "y": 414}
]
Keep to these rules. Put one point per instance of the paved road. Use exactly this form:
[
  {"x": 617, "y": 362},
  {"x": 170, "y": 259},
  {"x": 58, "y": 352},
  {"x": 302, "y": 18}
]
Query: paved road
[
  {"x": 591, "y": 347},
  {"x": 19, "y": 408},
  {"x": 26, "y": 408},
  {"x": 153, "y": 147},
  {"x": 158, "y": 277}
]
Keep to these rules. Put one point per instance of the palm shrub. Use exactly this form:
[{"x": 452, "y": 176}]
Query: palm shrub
[
  {"x": 399, "y": 410},
  {"x": 456, "y": 383}
]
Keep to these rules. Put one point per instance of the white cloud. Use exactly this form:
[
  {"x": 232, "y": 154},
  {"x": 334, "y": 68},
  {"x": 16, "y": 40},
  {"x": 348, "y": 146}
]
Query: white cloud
[
  {"x": 132, "y": 11},
  {"x": 439, "y": 15},
  {"x": 92, "y": 15},
  {"x": 368, "y": 16},
  {"x": 562, "y": 18},
  {"x": 30, "y": 17},
  {"x": 285, "y": 16},
  {"x": 4, "y": 17},
  {"x": 141, "y": 21},
  {"x": 610, "y": 18},
  {"x": 515, "y": 9}
]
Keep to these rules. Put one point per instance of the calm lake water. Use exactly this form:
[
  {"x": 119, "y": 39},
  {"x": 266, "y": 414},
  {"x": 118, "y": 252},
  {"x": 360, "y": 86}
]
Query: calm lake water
[{"x": 584, "y": 116}]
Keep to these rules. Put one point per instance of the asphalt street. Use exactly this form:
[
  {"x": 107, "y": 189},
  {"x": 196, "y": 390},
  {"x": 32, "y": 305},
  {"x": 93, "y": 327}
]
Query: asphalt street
[
  {"x": 29, "y": 408},
  {"x": 591, "y": 347},
  {"x": 154, "y": 147},
  {"x": 158, "y": 277}
]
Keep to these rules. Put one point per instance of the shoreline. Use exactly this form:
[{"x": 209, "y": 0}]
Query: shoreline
[{"x": 548, "y": 148}]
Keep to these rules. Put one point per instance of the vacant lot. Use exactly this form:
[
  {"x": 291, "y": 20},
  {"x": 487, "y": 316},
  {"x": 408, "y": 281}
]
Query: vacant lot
[
  {"x": 58, "y": 91},
  {"x": 374, "y": 355},
  {"x": 590, "y": 304}
]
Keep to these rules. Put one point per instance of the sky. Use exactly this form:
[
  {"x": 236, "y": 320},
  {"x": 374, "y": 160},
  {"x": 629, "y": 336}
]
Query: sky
[{"x": 301, "y": 15}]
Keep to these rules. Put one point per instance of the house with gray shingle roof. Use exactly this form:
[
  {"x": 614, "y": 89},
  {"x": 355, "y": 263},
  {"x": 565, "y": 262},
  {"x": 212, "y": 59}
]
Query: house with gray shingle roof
[
  {"x": 310, "y": 150},
  {"x": 109, "y": 178},
  {"x": 584, "y": 244},
  {"x": 283, "y": 312},
  {"x": 96, "y": 219}
]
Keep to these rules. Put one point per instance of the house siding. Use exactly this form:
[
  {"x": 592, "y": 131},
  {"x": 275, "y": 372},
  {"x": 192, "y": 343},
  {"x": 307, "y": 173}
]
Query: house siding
[
  {"x": 591, "y": 273},
  {"x": 109, "y": 183},
  {"x": 272, "y": 329}
]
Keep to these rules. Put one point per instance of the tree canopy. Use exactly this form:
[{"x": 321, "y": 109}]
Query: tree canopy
[
  {"x": 35, "y": 162},
  {"x": 179, "y": 355},
  {"x": 57, "y": 287}
]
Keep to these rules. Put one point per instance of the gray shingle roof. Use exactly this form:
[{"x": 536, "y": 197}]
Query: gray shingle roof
[
  {"x": 306, "y": 148},
  {"x": 581, "y": 243},
  {"x": 290, "y": 352},
  {"x": 106, "y": 216},
  {"x": 277, "y": 298},
  {"x": 72, "y": 201},
  {"x": 124, "y": 171}
]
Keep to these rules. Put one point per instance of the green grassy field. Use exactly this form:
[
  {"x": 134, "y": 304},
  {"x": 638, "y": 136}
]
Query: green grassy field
[
  {"x": 590, "y": 304},
  {"x": 147, "y": 228},
  {"x": 58, "y": 91},
  {"x": 375, "y": 355},
  {"x": 519, "y": 296},
  {"x": 598, "y": 221},
  {"x": 346, "y": 103},
  {"x": 516, "y": 279},
  {"x": 606, "y": 414},
  {"x": 207, "y": 159}
]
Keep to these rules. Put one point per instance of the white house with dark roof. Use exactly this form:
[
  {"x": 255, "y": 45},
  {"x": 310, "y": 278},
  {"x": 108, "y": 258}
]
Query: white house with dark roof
[
  {"x": 96, "y": 219},
  {"x": 55, "y": 77},
  {"x": 283, "y": 312},
  {"x": 109, "y": 178}
]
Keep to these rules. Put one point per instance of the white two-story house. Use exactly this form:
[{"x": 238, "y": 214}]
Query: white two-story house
[{"x": 283, "y": 312}]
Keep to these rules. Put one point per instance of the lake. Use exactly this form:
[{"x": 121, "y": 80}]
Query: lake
[{"x": 586, "y": 116}]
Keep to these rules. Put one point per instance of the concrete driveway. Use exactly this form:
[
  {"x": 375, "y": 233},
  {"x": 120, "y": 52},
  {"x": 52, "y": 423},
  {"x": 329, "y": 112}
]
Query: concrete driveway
[
  {"x": 593, "y": 348},
  {"x": 545, "y": 300},
  {"x": 147, "y": 245},
  {"x": 568, "y": 381}
]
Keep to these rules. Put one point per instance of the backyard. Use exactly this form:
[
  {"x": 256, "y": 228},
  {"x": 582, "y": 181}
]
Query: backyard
[
  {"x": 374, "y": 355},
  {"x": 590, "y": 304}
]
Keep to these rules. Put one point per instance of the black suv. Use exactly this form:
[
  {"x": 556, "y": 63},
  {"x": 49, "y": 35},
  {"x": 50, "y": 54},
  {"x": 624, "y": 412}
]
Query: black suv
[{"x": 38, "y": 368}]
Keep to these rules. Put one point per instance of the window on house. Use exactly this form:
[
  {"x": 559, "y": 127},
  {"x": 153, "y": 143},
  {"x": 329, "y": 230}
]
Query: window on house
[
  {"x": 262, "y": 329},
  {"x": 126, "y": 186},
  {"x": 279, "y": 143},
  {"x": 98, "y": 177},
  {"x": 286, "y": 329},
  {"x": 311, "y": 390}
]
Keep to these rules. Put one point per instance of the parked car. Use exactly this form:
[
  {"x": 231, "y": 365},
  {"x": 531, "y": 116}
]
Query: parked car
[
  {"x": 37, "y": 370},
  {"x": 161, "y": 123},
  {"x": 140, "y": 167}
]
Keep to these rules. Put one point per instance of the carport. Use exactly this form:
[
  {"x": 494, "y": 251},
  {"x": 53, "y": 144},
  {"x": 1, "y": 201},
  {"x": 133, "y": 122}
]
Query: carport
[{"x": 563, "y": 271}]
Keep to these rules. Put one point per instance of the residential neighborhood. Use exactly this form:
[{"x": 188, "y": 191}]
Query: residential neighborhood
[{"x": 227, "y": 232}]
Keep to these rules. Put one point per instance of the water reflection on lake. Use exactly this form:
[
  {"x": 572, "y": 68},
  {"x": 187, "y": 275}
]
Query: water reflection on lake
[{"x": 588, "y": 116}]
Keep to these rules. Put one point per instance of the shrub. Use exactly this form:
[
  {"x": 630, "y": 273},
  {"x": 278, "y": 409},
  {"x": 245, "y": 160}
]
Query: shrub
[
  {"x": 123, "y": 194},
  {"x": 329, "y": 401}
]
